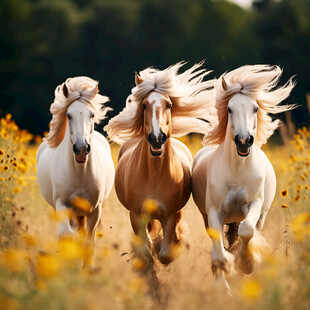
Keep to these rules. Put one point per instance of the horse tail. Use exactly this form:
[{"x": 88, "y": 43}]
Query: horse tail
[{"x": 232, "y": 237}]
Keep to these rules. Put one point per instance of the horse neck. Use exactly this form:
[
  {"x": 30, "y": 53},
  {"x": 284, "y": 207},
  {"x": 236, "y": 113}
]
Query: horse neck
[{"x": 156, "y": 164}]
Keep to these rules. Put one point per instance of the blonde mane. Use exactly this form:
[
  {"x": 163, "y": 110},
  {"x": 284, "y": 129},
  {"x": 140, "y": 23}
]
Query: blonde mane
[
  {"x": 258, "y": 82},
  {"x": 80, "y": 88},
  {"x": 191, "y": 102}
]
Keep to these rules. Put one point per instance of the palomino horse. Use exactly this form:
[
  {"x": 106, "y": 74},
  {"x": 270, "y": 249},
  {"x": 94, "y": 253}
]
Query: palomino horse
[
  {"x": 235, "y": 182},
  {"x": 152, "y": 164},
  {"x": 74, "y": 162}
]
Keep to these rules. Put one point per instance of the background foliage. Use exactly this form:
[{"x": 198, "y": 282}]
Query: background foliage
[{"x": 43, "y": 42}]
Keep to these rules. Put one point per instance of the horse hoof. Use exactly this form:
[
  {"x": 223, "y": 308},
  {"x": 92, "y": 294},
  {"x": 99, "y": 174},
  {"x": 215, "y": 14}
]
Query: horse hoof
[{"x": 165, "y": 259}]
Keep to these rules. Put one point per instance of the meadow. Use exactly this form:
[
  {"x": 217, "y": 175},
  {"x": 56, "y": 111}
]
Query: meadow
[{"x": 39, "y": 272}]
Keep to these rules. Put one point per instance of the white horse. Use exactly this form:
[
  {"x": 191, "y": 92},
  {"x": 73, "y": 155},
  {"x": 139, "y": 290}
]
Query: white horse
[
  {"x": 74, "y": 161},
  {"x": 235, "y": 182}
]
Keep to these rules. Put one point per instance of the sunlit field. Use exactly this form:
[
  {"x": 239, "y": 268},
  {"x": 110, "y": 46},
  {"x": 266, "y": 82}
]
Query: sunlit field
[{"x": 39, "y": 272}]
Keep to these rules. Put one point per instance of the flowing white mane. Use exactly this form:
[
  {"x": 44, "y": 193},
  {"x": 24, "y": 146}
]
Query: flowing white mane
[
  {"x": 192, "y": 108},
  {"x": 80, "y": 88},
  {"x": 258, "y": 82}
]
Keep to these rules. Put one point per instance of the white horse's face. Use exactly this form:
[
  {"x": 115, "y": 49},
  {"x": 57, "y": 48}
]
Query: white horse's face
[
  {"x": 81, "y": 125},
  {"x": 242, "y": 117}
]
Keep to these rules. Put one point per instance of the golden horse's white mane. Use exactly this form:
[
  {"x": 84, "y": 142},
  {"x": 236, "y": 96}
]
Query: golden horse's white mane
[
  {"x": 258, "y": 82},
  {"x": 192, "y": 107},
  {"x": 80, "y": 88}
]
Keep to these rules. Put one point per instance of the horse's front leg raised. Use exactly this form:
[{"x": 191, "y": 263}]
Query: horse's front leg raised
[
  {"x": 168, "y": 224},
  {"x": 65, "y": 228},
  {"x": 247, "y": 256},
  {"x": 222, "y": 261}
]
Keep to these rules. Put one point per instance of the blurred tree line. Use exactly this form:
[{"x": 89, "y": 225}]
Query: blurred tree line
[{"x": 43, "y": 42}]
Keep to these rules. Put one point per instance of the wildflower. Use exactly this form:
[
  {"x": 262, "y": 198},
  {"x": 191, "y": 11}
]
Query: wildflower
[
  {"x": 251, "y": 289},
  {"x": 284, "y": 193},
  {"x": 150, "y": 206},
  {"x": 213, "y": 233},
  {"x": 15, "y": 259},
  {"x": 99, "y": 234},
  {"x": 284, "y": 206},
  {"x": 136, "y": 241},
  {"x": 6, "y": 168},
  {"x": 1, "y": 152},
  {"x": 136, "y": 284},
  {"x": 16, "y": 190},
  {"x": 70, "y": 249},
  {"x": 81, "y": 203},
  {"x": 137, "y": 263},
  {"x": 47, "y": 265}
]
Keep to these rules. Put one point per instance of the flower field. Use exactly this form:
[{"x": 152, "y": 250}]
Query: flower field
[{"x": 39, "y": 272}]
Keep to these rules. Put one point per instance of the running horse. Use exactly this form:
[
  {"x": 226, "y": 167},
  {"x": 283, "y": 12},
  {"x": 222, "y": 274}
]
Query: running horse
[
  {"x": 151, "y": 163},
  {"x": 75, "y": 170},
  {"x": 234, "y": 183}
]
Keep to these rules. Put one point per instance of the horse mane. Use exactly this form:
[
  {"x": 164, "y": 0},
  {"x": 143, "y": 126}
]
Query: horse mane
[
  {"x": 80, "y": 88},
  {"x": 191, "y": 99},
  {"x": 258, "y": 82}
]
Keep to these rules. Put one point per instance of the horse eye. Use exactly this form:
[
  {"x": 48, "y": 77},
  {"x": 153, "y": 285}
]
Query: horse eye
[
  {"x": 69, "y": 116},
  {"x": 143, "y": 106},
  {"x": 169, "y": 106},
  {"x": 92, "y": 115},
  {"x": 229, "y": 110},
  {"x": 255, "y": 109}
]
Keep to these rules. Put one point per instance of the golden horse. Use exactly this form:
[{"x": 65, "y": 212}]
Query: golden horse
[{"x": 151, "y": 163}]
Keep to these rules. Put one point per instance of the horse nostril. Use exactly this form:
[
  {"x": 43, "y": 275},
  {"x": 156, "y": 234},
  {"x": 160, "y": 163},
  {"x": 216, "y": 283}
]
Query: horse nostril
[
  {"x": 151, "y": 138},
  {"x": 75, "y": 149},
  {"x": 237, "y": 141},
  {"x": 163, "y": 138},
  {"x": 87, "y": 148},
  {"x": 250, "y": 140}
]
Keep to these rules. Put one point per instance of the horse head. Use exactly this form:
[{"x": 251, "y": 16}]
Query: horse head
[{"x": 157, "y": 119}]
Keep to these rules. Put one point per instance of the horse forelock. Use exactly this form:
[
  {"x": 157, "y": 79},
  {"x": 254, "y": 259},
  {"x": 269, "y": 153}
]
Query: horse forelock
[
  {"x": 190, "y": 96},
  {"x": 258, "y": 82},
  {"x": 81, "y": 88}
]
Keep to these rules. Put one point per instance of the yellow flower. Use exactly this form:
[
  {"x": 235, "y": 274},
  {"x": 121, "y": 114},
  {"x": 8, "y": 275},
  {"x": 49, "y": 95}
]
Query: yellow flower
[
  {"x": 6, "y": 168},
  {"x": 136, "y": 241},
  {"x": 81, "y": 203},
  {"x": 16, "y": 190},
  {"x": 306, "y": 187},
  {"x": 251, "y": 289},
  {"x": 99, "y": 234},
  {"x": 137, "y": 263},
  {"x": 47, "y": 265},
  {"x": 214, "y": 233},
  {"x": 15, "y": 259},
  {"x": 1, "y": 152},
  {"x": 284, "y": 206},
  {"x": 150, "y": 206},
  {"x": 70, "y": 249},
  {"x": 284, "y": 192}
]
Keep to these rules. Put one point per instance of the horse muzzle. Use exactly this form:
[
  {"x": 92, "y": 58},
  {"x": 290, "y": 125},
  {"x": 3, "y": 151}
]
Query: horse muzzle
[
  {"x": 81, "y": 152},
  {"x": 157, "y": 143},
  {"x": 244, "y": 144}
]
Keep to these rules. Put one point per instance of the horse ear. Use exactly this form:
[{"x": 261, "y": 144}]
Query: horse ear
[
  {"x": 65, "y": 90},
  {"x": 224, "y": 85},
  {"x": 94, "y": 92},
  {"x": 138, "y": 79}
]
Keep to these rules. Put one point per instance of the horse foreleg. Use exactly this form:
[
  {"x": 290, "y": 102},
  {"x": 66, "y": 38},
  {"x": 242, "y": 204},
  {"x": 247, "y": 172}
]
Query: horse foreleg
[
  {"x": 93, "y": 220},
  {"x": 248, "y": 255},
  {"x": 141, "y": 250},
  {"x": 222, "y": 260},
  {"x": 65, "y": 228},
  {"x": 166, "y": 253}
]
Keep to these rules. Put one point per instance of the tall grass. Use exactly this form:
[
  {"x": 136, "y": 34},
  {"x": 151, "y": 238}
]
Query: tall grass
[{"x": 39, "y": 272}]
